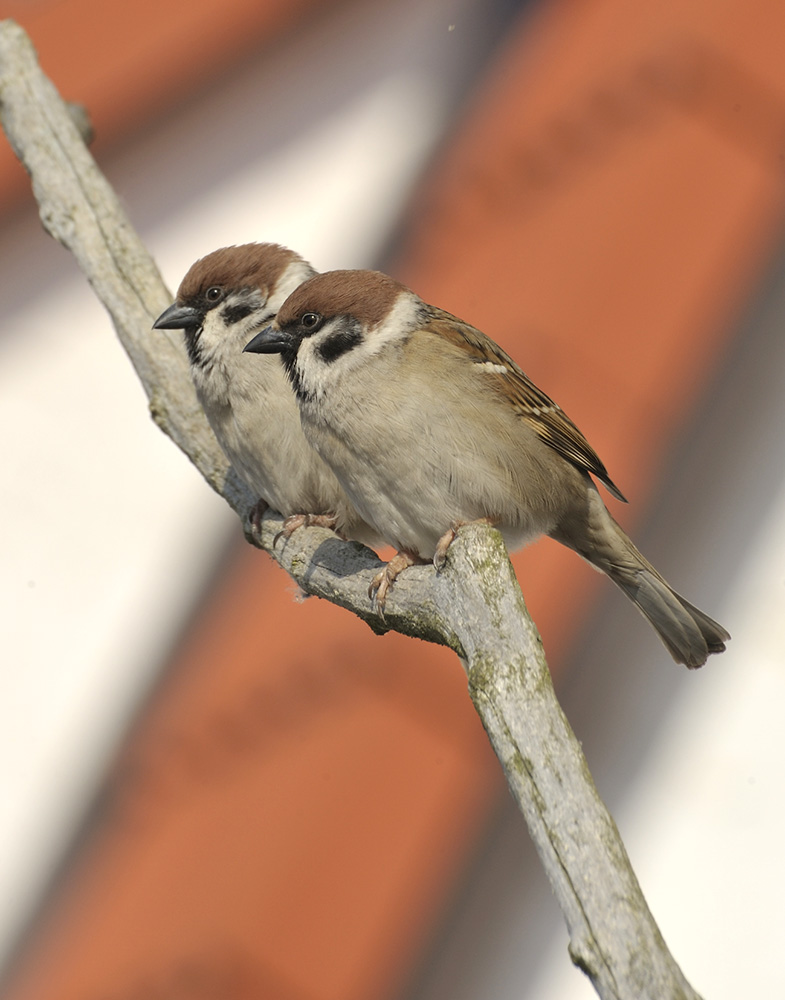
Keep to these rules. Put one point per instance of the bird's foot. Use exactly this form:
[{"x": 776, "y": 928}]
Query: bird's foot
[
  {"x": 440, "y": 555},
  {"x": 255, "y": 517},
  {"x": 385, "y": 578},
  {"x": 295, "y": 521}
]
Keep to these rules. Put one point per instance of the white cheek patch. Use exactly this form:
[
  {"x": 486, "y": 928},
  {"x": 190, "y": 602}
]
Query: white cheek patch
[
  {"x": 213, "y": 332},
  {"x": 317, "y": 376},
  {"x": 310, "y": 370},
  {"x": 320, "y": 370},
  {"x": 405, "y": 316},
  {"x": 220, "y": 335},
  {"x": 252, "y": 300}
]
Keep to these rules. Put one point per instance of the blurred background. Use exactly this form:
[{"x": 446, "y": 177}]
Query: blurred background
[{"x": 212, "y": 790}]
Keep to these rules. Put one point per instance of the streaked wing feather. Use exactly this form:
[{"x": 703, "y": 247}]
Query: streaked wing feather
[{"x": 545, "y": 417}]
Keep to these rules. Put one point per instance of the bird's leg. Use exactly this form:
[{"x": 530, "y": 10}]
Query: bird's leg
[
  {"x": 385, "y": 578},
  {"x": 440, "y": 555},
  {"x": 255, "y": 516},
  {"x": 295, "y": 521}
]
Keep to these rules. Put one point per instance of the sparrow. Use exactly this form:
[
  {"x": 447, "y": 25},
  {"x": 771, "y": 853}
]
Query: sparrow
[
  {"x": 428, "y": 425},
  {"x": 222, "y": 301}
]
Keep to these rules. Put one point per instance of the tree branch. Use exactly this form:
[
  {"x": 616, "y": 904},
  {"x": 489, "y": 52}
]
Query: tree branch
[{"x": 474, "y": 605}]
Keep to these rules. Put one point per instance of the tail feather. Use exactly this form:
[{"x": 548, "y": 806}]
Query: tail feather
[
  {"x": 689, "y": 635},
  {"x": 714, "y": 634}
]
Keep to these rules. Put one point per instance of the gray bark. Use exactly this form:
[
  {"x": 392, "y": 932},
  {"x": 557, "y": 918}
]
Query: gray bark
[{"x": 474, "y": 605}]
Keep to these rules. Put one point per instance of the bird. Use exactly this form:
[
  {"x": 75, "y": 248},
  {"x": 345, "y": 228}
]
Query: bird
[
  {"x": 429, "y": 425},
  {"x": 223, "y": 299}
]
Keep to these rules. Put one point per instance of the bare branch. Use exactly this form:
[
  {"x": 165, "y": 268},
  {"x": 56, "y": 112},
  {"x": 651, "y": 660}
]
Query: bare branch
[{"x": 474, "y": 605}]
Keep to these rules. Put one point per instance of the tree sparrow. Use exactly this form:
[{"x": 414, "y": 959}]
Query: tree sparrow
[
  {"x": 428, "y": 425},
  {"x": 222, "y": 301}
]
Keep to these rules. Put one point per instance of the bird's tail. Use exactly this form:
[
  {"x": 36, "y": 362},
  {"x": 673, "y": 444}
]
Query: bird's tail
[{"x": 689, "y": 635}]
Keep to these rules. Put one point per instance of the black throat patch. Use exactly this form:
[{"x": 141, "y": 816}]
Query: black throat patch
[
  {"x": 289, "y": 359},
  {"x": 194, "y": 347}
]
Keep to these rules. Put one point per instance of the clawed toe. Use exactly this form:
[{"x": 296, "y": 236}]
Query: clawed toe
[
  {"x": 290, "y": 525},
  {"x": 377, "y": 591},
  {"x": 295, "y": 521},
  {"x": 440, "y": 555},
  {"x": 386, "y": 577},
  {"x": 255, "y": 516}
]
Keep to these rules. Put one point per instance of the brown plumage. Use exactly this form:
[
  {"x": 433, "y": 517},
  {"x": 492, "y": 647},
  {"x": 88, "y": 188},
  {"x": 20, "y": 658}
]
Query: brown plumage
[
  {"x": 222, "y": 301},
  {"x": 428, "y": 424},
  {"x": 251, "y": 265},
  {"x": 546, "y": 418}
]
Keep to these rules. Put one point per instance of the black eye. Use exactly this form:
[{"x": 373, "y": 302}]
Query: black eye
[
  {"x": 214, "y": 293},
  {"x": 309, "y": 321}
]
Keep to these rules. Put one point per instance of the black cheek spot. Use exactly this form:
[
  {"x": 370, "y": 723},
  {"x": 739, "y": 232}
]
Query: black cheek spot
[
  {"x": 339, "y": 343},
  {"x": 233, "y": 314}
]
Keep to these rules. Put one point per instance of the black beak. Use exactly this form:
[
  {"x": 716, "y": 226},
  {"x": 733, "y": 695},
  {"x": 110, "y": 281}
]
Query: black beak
[
  {"x": 271, "y": 340},
  {"x": 178, "y": 317}
]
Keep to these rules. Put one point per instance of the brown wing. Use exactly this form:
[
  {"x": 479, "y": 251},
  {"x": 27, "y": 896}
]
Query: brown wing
[{"x": 547, "y": 419}]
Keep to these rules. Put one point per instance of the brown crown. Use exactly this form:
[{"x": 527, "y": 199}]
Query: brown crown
[
  {"x": 366, "y": 295},
  {"x": 248, "y": 265}
]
